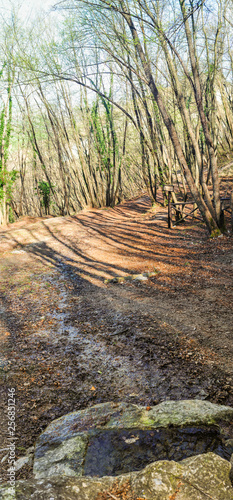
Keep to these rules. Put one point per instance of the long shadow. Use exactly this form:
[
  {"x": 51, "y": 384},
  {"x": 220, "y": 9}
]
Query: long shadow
[
  {"x": 77, "y": 270},
  {"x": 90, "y": 268},
  {"x": 106, "y": 220},
  {"x": 46, "y": 253},
  {"x": 95, "y": 267},
  {"x": 71, "y": 274},
  {"x": 121, "y": 237},
  {"x": 130, "y": 250},
  {"x": 121, "y": 234}
]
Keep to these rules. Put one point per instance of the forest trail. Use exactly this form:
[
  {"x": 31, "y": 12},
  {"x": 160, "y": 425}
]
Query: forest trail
[{"x": 70, "y": 340}]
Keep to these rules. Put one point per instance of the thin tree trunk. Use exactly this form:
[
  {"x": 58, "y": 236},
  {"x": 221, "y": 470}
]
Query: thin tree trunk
[{"x": 207, "y": 216}]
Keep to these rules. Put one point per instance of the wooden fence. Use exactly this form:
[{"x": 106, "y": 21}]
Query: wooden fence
[{"x": 181, "y": 210}]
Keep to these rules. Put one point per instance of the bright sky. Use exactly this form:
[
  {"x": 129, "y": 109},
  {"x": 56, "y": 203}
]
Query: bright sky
[{"x": 27, "y": 8}]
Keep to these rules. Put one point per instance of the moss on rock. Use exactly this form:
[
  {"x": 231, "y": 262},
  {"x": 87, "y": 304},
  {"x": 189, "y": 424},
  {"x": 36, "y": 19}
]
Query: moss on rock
[{"x": 196, "y": 478}]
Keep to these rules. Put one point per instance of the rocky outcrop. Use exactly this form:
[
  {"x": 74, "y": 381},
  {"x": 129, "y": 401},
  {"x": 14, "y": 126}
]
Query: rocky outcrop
[
  {"x": 203, "y": 477},
  {"x": 114, "y": 438},
  {"x": 176, "y": 450}
]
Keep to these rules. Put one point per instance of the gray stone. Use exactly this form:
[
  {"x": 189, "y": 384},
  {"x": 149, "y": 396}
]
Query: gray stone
[
  {"x": 22, "y": 461},
  {"x": 132, "y": 277},
  {"x": 66, "y": 459},
  {"x": 116, "y": 438},
  {"x": 198, "y": 478},
  {"x": 30, "y": 450},
  {"x": 189, "y": 412},
  {"x": 140, "y": 277}
]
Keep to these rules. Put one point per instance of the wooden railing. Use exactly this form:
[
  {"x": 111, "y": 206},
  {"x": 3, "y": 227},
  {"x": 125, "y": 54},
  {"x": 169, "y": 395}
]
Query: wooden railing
[{"x": 177, "y": 212}]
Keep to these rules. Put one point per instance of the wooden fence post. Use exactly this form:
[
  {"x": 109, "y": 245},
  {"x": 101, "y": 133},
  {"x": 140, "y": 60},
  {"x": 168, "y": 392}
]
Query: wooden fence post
[
  {"x": 169, "y": 210},
  {"x": 169, "y": 189}
]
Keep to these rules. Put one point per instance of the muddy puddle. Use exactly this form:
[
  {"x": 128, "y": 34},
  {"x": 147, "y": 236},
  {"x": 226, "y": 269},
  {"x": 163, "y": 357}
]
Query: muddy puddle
[
  {"x": 111, "y": 453},
  {"x": 118, "y": 347}
]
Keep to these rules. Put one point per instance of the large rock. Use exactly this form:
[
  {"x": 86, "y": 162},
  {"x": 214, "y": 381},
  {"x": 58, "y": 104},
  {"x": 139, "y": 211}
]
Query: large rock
[
  {"x": 201, "y": 477},
  {"x": 115, "y": 438}
]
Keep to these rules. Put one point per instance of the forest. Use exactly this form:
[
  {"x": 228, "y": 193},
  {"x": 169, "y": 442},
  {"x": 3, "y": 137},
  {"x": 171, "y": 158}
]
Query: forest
[
  {"x": 101, "y": 100},
  {"x": 116, "y": 257}
]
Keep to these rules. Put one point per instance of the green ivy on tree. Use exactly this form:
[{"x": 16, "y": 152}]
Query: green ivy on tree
[{"x": 45, "y": 191}]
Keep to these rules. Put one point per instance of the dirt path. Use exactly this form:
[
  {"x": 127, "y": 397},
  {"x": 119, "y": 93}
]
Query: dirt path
[{"x": 69, "y": 340}]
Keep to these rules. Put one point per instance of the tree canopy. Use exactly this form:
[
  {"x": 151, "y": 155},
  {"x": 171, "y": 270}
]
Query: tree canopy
[{"x": 110, "y": 97}]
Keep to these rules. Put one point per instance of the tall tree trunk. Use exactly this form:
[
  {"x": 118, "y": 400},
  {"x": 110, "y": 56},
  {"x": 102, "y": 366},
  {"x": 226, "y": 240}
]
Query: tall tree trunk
[{"x": 207, "y": 216}]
